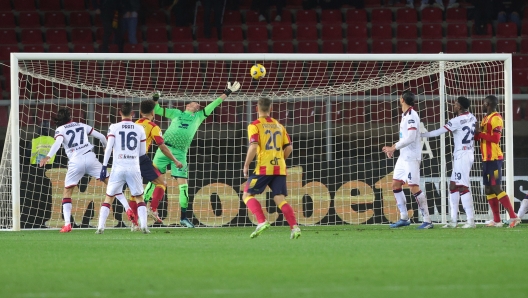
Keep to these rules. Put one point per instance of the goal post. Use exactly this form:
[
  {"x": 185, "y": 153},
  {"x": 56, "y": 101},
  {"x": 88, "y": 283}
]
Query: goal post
[{"x": 339, "y": 108}]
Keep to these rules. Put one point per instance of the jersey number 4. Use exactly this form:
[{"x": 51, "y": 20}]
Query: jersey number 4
[
  {"x": 467, "y": 139},
  {"x": 130, "y": 142},
  {"x": 272, "y": 138},
  {"x": 73, "y": 135}
]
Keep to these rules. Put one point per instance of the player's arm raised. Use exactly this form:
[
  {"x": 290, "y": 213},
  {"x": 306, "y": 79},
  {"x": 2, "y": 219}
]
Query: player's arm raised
[
  {"x": 230, "y": 89},
  {"x": 59, "y": 138},
  {"x": 165, "y": 112}
]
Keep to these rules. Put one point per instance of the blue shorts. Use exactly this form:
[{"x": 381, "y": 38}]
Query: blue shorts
[
  {"x": 148, "y": 171},
  {"x": 492, "y": 172},
  {"x": 256, "y": 184}
]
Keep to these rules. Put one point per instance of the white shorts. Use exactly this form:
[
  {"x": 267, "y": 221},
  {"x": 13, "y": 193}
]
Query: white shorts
[
  {"x": 80, "y": 166},
  {"x": 407, "y": 171},
  {"x": 118, "y": 178},
  {"x": 461, "y": 168}
]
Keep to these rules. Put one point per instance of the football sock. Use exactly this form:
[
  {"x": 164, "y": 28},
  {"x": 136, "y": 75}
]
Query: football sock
[
  {"x": 184, "y": 200},
  {"x": 422, "y": 205},
  {"x": 134, "y": 207},
  {"x": 121, "y": 198},
  {"x": 505, "y": 201},
  {"x": 149, "y": 189},
  {"x": 523, "y": 208},
  {"x": 454, "y": 199},
  {"x": 142, "y": 211},
  {"x": 103, "y": 215},
  {"x": 401, "y": 202},
  {"x": 494, "y": 205},
  {"x": 159, "y": 191},
  {"x": 467, "y": 203},
  {"x": 287, "y": 210},
  {"x": 255, "y": 208},
  {"x": 66, "y": 210}
]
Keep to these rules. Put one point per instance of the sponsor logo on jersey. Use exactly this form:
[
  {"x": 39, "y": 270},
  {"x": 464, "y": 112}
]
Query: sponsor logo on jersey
[
  {"x": 184, "y": 125},
  {"x": 449, "y": 123},
  {"x": 463, "y": 121},
  {"x": 126, "y": 156},
  {"x": 410, "y": 121},
  {"x": 275, "y": 161}
]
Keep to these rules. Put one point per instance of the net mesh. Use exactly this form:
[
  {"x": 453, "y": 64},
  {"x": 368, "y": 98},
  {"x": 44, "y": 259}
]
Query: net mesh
[{"x": 339, "y": 115}]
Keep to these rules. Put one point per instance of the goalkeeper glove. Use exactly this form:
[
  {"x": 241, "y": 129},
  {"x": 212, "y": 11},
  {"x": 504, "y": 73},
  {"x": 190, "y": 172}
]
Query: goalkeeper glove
[
  {"x": 232, "y": 88},
  {"x": 156, "y": 96},
  {"x": 103, "y": 174}
]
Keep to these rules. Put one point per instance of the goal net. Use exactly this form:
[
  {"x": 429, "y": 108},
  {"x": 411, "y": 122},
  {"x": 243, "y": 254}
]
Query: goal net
[{"x": 339, "y": 110}]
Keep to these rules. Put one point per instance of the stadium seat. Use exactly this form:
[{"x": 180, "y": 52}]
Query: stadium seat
[
  {"x": 306, "y": 33},
  {"x": 430, "y": 114},
  {"x": 381, "y": 16},
  {"x": 306, "y": 17},
  {"x": 286, "y": 17},
  {"x": 115, "y": 73},
  {"x": 380, "y": 111},
  {"x": 492, "y": 81},
  {"x": 431, "y": 46},
  {"x": 73, "y": 5},
  {"x": 156, "y": 35},
  {"x": 331, "y": 32},
  {"x": 31, "y": 36},
  {"x": 456, "y": 15},
  {"x": 281, "y": 32},
  {"x": 406, "y": 15},
  {"x": 487, "y": 34},
  {"x": 381, "y": 46},
  {"x": 56, "y": 36},
  {"x": 310, "y": 47},
  {"x": 520, "y": 77},
  {"x": 350, "y": 112},
  {"x": 318, "y": 74},
  {"x": 168, "y": 74},
  {"x": 524, "y": 31},
  {"x": 233, "y": 47},
  {"x": 432, "y": 31},
  {"x": 356, "y": 16},
  {"x": 293, "y": 78},
  {"x": 232, "y": 18},
  {"x": 252, "y": 18},
  {"x": 5, "y": 6},
  {"x": 29, "y": 20},
  {"x": 282, "y": 47},
  {"x": 158, "y": 48},
  {"x": 432, "y": 15},
  {"x": 208, "y": 47},
  {"x": 257, "y": 33},
  {"x": 382, "y": 31},
  {"x": 8, "y": 37},
  {"x": 520, "y": 61},
  {"x": 456, "y": 46},
  {"x": 524, "y": 45},
  {"x": 331, "y": 17},
  {"x": 239, "y": 71},
  {"x": 406, "y": 47},
  {"x": 457, "y": 31},
  {"x": 506, "y": 30},
  {"x": 59, "y": 48},
  {"x": 258, "y": 47},
  {"x": 506, "y": 46},
  {"x": 50, "y": 5},
  {"x": 357, "y": 46},
  {"x": 24, "y": 5},
  {"x": 54, "y": 20},
  {"x": 156, "y": 19},
  {"x": 221, "y": 74},
  {"x": 83, "y": 48},
  {"x": 133, "y": 48},
  {"x": 7, "y": 20},
  {"x": 330, "y": 47},
  {"x": 407, "y": 31},
  {"x": 81, "y": 35},
  {"x": 519, "y": 110},
  {"x": 181, "y": 34},
  {"x": 303, "y": 112},
  {"x": 183, "y": 48},
  {"x": 481, "y": 46},
  {"x": 41, "y": 89},
  {"x": 80, "y": 19},
  {"x": 233, "y": 33},
  {"x": 34, "y": 48},
  {"x": 356, "y": 32}
]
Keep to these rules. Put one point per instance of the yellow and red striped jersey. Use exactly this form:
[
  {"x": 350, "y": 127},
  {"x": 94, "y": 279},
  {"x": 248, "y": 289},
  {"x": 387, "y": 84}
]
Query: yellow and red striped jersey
[
  {"x": 491, "y": 124},
  {"x": 271, "y": 138},
  {"x": 152, "y": 131}
]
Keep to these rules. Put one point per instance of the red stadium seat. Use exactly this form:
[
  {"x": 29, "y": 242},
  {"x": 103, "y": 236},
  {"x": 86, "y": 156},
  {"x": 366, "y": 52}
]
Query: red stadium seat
[
  {"x": 481, "y": 46},
  {"x": 139, "y": 75},
  {"x": 381, "y": 46},
  {"x": 331, "y": 17},
  {"x": 233, "y": 47},
  {"x": 351, "y": 112},
  {"x": 232, "y": 18},
  {"x": 181, "y": 34},
  {"x": 83, "y": 48},
  {"x": 80, "y": 19},
  {"x": 303, "y": 112},
  {"x": 31, "y": 36},
  {"x": 156, "y": 19},
  {"x": 330, "y": 47},
  {"x": 306, "y": 33},
  {"x": 383, "y": 31},
  {"x": 133, "y": 48},
  {"x": 73, "y": 5},
  {"x": 219, "y": 74},
  {"x": 158, "y": 48},
  {"x": 207, "y": 47},
  {"x": 506, "y": 46},
  {"x": 7, "y": 20},
  {"x": 41, "y": 89},
  {"x": 293, "y": 78},
  {"x": 252, "y": 18},
  {"x": 520, "y": 78},
  {"x": 156, "y": 35},
  {"x": 35, "y": 48},
  {"x": 406, "y": 16},
  {"x": 5, "y": 6},
  {"x": 456, "y": 15},
  {"x": 183, "y": 48},
  {"x": 115, "y": 73},
  {"x": 306, "y": 17},
  {"x": 356, "y": 16},
  {"x": 50, "y": 5},
  {"x": 257, "y": 33},
  {"x": 406, "y": 47},
  {"x": 281, "y": 32},
  {"x": 56, "y": 36},
  {"x": 56, "y": 48},
  {"x": 331, "y": 32},
  {"x": 168, "y": 74},
  {"x": 506, "y": 30},
  {"x": 432, "y": 31},
  {"x": 308, "y": 47},
  {"x": 8, "y": 37},
  {"x": 520, "y": 61},
  {"x": 524, "y": 45},
  {"x": 431, "y": 46},
  {"x": 457, "y": 31},
  {"x": 431, "y": 15},
  {"x": 24, "y": 5},
  {"x": 357, "y": 46},
  {"x": 524, "y": 31},
  {"x": 258, "y": 47},
  {"x": 356, "y": 32},
  {"x": 282, "y": 47},
  {"x": 318, "y": 74},
  {"x": 407, "y": 31},
  {"x": 29, "y": 20},
  {"x": 81, "y": 35},
  {"x": 456, "y": 46},
  {"x": 381, "y": 111},
  {"x": 54, "y": 20},
  {"x": 381, "y": 16},
  {"x": 286, "y": 17},
  {"x": 487, "y": 34},
  {"x": 233, "y": 33}
]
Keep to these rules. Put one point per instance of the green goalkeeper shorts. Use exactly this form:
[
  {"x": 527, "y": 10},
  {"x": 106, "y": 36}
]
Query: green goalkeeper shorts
[{"x": 161, "y": 162}]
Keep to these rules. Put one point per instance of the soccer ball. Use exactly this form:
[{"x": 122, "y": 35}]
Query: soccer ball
[{"x": 258, "y": 71}]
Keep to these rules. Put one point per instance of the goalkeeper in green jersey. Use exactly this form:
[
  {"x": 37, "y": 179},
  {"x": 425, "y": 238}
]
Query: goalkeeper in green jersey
[{"x": 178, "y": 138}]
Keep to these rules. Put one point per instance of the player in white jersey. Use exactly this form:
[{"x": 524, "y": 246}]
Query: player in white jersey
[
  {"x": 463, "y": 129},
  {"x": 407, "y": 168},
  {"x": 73, "y": 136},
  {"x": 127, "y": 141}
]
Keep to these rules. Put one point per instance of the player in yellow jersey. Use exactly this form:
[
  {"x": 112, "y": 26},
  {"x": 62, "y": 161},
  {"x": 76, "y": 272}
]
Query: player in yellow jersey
[
  {"x": 271, "y": 144},
  {"x": 489, "y": 136},
  {"x": 148, "y": 171}
]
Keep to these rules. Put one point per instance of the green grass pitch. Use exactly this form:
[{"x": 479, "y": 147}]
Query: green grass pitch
[{"x": 337, "y": 261}]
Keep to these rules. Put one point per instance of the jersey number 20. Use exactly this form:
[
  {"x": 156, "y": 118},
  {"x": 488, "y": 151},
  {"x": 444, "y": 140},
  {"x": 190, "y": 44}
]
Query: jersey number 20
[{"x": 272, "y": 138}]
